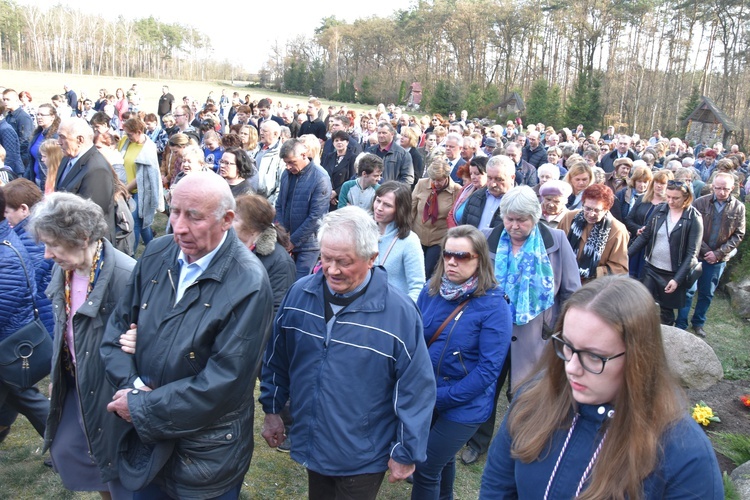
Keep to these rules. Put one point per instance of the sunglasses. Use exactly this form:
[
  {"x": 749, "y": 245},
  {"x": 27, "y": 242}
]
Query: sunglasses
[
  {"x": 677, "y": 184},
  {"x": 459, "y": 256}
]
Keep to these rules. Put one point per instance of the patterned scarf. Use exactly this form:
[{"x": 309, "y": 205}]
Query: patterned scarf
[
  {"x": 451, "y": 291},
  {"x": 96, "y": 267},
  {"x": 431, "y": 208},
  {"x": 527, "y": 277},
  {"x": 594, "y": 246}
]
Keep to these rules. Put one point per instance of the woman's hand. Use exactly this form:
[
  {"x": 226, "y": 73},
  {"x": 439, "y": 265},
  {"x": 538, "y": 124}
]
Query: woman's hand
[{"x": 671, "y": 286}]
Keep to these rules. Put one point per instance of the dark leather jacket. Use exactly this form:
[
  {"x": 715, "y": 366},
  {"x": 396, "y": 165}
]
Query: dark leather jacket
[
  {"x": 732, "y": 229},
  {"x": 685, "y": 240},
  {"x": 199, "y": 357},
  {"x": 103, "y": 429}
]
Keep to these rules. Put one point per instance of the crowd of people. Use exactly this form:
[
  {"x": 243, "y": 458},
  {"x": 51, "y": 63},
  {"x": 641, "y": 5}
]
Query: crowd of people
[{"x": 383, "y": 274}]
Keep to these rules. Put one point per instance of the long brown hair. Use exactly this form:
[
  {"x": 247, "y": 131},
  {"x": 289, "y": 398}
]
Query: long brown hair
[
  {"x": 402, "y": 197},
  {"x": 646, "y": 404}
]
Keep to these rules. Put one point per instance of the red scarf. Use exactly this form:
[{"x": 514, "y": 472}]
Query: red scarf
[{"x": 431, "y": 206}]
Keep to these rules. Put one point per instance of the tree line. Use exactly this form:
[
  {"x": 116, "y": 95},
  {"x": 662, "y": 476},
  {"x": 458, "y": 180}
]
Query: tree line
[
  {"x": 65, "y": 39},
  {"x": 635, "y": 64}
]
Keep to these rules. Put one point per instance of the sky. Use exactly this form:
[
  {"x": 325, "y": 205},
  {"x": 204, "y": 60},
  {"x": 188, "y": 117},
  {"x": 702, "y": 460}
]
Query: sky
[{"x": 242, "y": 31}]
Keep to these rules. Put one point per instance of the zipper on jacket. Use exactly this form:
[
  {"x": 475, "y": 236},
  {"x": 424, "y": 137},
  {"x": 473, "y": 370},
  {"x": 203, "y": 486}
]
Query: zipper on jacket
[
  {"x": 80, "y": 404},
  {"x": 448, "y": 338},
  {"x": 461, "y": 360}
]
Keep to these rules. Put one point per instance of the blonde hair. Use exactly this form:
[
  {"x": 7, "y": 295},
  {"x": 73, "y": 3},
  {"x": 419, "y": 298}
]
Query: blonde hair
[{"x": 52, "y": 150}]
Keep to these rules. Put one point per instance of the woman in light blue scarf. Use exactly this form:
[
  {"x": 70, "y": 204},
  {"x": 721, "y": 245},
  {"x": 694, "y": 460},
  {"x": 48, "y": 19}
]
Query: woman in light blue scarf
[{"x": 537, "y": 269}]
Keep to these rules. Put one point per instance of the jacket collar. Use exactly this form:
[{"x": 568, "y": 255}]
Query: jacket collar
[
  {"x": 373, "y": 300},
  {"x": 219, "y": 265}
]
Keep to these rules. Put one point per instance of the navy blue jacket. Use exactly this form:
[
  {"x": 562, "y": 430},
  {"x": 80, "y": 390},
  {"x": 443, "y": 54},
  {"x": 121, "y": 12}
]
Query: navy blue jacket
[
  {"x": 362, "y": 393},
  {"x": 309, "y": 203},
  {"x": 686, "y": 467},
  {"x": 469, "y": 353},
  {"x": 15, "y": 297},
  {"x": 42, "y": 273}
]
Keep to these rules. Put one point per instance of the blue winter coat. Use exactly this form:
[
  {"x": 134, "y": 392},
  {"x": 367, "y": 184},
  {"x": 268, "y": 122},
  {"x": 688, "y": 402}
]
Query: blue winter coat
[
  {"x": 15, "y": 297},
  {"x": 686, "y": 467},
  {"x": 469, "y": 353},
  {"x": 310, "y": 200},
  {"x": 360, "y": 395},
  {"x": 42, "y": 274}
]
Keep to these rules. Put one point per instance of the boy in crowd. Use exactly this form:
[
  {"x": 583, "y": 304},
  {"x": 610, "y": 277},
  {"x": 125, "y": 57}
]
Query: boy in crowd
[{"x": 361, "y": 191}]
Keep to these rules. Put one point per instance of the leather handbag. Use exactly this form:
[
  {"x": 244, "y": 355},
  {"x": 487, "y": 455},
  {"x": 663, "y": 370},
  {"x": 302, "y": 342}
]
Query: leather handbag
[{"x": 26, "y": 355}]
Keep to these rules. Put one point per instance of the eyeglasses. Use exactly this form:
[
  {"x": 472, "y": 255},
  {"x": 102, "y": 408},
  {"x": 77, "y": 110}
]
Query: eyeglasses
[
  {"x": 40, "y": 114},
  {"x": 224, "y": 162},
  {"x": 591, "y": 210},
  {"x": 590, "y": 362},
  {"x": 459, "y": 256}
]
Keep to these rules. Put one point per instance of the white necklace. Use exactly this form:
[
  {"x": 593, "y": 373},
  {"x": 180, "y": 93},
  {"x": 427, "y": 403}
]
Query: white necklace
[{"x": 590, "y": 466}]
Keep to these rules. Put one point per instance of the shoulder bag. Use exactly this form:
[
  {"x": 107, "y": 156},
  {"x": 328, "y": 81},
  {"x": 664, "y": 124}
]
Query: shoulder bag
[{"x": 26, "y": 355}]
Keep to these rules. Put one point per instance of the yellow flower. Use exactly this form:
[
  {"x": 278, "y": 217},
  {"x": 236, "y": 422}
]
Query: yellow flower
[{"x": 703, "y": 414}]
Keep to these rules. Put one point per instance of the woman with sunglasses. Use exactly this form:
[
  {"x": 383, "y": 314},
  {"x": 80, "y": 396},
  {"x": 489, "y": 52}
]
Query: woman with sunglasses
[
  {"x": 467, "y": 327},
  {"x": 599, "y": 240},
  {"x": 605, "y": 419},
  {"x": 671, "y": 240}
]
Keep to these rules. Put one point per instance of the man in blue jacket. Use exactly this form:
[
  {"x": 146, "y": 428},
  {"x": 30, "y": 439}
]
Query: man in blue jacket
[
  {"x": 348, "y": 349},
  {"x": 304, "y": 195}
]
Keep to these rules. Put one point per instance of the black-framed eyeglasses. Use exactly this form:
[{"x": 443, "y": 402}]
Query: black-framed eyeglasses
[
  {"x": 459, "y": 256},
  {"x": 589, "y": 361}
]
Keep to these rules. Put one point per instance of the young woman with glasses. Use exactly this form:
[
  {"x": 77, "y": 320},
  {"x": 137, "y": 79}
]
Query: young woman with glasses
[
  {"x": 671, "y": 240},
  {"x": 605, "y": 419}
]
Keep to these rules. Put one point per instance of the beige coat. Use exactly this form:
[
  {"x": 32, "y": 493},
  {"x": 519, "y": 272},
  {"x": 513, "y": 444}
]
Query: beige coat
[
  {"x": 432, "y": 234},
  {"x": 615, "y": 255}
]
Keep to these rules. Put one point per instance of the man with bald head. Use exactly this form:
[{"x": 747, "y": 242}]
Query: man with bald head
[
  {"x": 201, "y": 305},
  {"x": 84, "y": 170},
  {"x": 534, "y": 153}
]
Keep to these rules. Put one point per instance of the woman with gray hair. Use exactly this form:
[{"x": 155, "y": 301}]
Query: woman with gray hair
[
  {"x": 537, "y": 269},
  {"x": 88, "y": 277},
  {"x": 431, "y": 201}
]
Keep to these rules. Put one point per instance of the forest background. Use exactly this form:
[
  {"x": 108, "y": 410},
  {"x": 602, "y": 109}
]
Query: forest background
[{"x": 635, "y": 64}]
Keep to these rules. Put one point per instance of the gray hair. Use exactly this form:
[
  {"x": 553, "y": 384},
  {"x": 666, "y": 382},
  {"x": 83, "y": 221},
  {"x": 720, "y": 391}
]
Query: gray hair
[
  {"x": 272, "y": 126},
  {"x": 385, "y": 124},
  {"x": 504, "y": 163},
  {"x": 459, "y": 139},
  {"x": 194, "y": 152},
  {"x": 522, "y": 201},
  {"x": 68, "y": 220},
  {"x": 78, "y": 126},
  {"x": 439, "y": 169},
  {"x": 352, "y": 225},
  {"x": 292, "y": 148},
  {"x": 552, "y": 170}
]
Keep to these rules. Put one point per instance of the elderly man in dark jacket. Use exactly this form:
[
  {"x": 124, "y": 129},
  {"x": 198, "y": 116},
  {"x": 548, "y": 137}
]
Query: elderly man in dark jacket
[
  {"x": 303, "y": 200},
  {"x": 201, "y": 304}
]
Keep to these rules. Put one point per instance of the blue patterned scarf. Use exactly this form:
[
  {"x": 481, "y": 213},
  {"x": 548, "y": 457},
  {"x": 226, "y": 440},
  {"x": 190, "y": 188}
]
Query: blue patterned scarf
[
  {"x": 452, "y": 291},
  {"x": 527, "y": 277}
]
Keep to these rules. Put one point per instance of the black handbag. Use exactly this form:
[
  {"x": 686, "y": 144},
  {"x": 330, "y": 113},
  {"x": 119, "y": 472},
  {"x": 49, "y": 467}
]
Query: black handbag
[{"x": 26, "y": 355}]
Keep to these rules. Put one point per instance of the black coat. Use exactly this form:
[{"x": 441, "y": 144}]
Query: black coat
[
  {"x": 685, "y": 240},
  {"x": 341, "y": 172},
  {"x": 475, "y": 207},
  {"x": 91, "y": 177}
]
